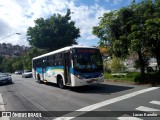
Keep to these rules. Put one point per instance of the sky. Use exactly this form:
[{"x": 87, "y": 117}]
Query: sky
[{"x": 17, "y": 15}]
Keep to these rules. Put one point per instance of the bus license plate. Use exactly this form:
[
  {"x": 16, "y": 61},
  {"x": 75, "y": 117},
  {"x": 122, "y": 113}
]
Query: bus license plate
[{"x": 92, "y": 80}]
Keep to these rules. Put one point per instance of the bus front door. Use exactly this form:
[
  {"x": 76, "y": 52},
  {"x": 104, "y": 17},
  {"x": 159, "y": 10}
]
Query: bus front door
[
  {"x": 43, "y": 73},
  {"x": 43, "y": 70},
  {"x": 67, "y": 64}
]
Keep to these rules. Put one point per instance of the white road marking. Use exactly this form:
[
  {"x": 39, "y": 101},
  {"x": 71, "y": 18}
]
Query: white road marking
[
  {"x": 1, "y": 103},
  {"x": 129, "y": 118},
  {"x": 155, "y": 102},
  {"x": 2, "y": 108},
  {"x": 143, "y": 108},
  {"x": 104, "y": 103}
]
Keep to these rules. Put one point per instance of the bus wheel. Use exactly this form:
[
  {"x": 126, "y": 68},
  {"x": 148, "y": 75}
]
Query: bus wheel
[
  {"x": 60, "y": 82},
  {"x": 39, "y": 79}
]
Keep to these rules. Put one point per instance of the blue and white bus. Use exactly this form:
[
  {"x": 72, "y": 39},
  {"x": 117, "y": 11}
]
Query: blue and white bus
[{"x": 69, "y": 66}]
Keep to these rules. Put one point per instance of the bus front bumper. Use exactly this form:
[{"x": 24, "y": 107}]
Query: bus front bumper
[{"x": 83, "y": 82}]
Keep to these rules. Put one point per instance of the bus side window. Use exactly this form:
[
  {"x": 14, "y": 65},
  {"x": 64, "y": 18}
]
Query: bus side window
[
  {"x": 58, "y": 59},
  {"x": 47, "y": 61},
  {"x": 53, "y": 59},
  {"x": 50, "y": 61},
  {"x": 44, "y": 61},
  {"x": 39, "y": 62}
]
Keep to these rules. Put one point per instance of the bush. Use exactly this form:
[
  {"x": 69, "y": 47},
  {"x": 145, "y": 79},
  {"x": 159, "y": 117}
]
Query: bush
[
  {"x": 130, "y": 77},
  {"x": 153, "y": 78},
  {"x": 150, "y": 78},
  {"x": 117, "y": 65},
  {"x": 107, "y": 66}
]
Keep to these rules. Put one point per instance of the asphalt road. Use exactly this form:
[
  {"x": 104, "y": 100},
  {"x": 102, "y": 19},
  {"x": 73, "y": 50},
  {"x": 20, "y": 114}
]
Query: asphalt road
[{"x": 117, "y": 101}]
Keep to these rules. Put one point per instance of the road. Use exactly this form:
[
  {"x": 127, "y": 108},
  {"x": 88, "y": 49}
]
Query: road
[{"x": 113, "y": 101}]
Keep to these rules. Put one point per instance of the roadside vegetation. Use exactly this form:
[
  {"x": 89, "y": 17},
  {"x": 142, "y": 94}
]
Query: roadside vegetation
[
  {"x": 115, "y": 70},
  {"x": 134, "y": 77},
  {"x": 19, "y": 63},
  {"x": 129, "y": 77},
  {"x": 132, "y": 29}
]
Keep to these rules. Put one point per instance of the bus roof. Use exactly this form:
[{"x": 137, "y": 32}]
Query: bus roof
[{"x": 61, "y": 50}]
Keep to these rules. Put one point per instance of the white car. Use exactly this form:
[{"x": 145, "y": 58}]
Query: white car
[
  {"x": 27, "y": 73},
  {"x": 18, "y": 71}
]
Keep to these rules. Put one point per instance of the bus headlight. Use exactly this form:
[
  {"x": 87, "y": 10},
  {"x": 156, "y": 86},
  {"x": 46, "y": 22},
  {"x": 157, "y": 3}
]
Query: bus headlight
[{"x": 79, "y": 76}]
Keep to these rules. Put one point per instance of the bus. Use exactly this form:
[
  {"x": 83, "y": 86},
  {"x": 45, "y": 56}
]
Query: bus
[{"x": 69, "y": 66}]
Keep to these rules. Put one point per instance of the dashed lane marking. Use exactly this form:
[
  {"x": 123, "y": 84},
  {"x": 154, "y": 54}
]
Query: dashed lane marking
[
  {"x": 1, "y": 103},
  {"x": 143, "y": 108},
  {"x": 128, "y": 118},
  {"x": 103, "y": 103},
  {"x": 155, "y": 102}
]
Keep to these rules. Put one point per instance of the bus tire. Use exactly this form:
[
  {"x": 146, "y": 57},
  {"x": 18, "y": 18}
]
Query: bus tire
[
  {"x": 39, "y": 79},
  {"x": 60, "y": 82}
]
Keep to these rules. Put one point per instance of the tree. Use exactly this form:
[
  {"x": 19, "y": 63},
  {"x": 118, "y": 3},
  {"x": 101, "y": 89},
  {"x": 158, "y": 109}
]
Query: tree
[
  {"x": 7, "y": 65},
  {"x": 153, "y": 29},
  {"x": 1, "y": 60},
  {"x": 152, "y": 25},
  {"x": 125, "y": 30},
  {"x": 53, "y": 33},
  {"x": 17, "y": 64},
  {"x": 103, "y": 51},
  {"x": 138, "y": 36},
  {"x": 113, "y": 29},
  {"x": 27, "y": 59}
]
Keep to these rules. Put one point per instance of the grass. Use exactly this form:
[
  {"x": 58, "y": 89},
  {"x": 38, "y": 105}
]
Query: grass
[
  {"x": 135, "y": 77},
  {"x": 130, "y": 77}
]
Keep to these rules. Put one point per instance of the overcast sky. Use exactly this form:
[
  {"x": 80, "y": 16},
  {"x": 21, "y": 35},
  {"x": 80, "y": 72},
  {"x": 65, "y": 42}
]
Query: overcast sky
[{"x": 17, "y": 15}]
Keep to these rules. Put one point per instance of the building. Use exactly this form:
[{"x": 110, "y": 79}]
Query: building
[{"x": 9, "y": 50}]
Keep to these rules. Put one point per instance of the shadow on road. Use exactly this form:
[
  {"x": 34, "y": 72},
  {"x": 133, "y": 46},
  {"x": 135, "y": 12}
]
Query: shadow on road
[
  {"x": 94, "y": 89},
  {"x": 49, "y": 84},
  {"x": 6, "y": 84},
  {"x": 100, "y": 89}
]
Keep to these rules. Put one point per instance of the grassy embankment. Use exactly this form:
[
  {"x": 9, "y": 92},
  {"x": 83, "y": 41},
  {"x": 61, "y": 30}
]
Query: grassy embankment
[
  {"x": 129, "y": 77},
  {"x": 134, "y": 77}
]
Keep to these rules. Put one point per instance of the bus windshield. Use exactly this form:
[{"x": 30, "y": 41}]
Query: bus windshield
[{"x": 87, "y": 60}]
